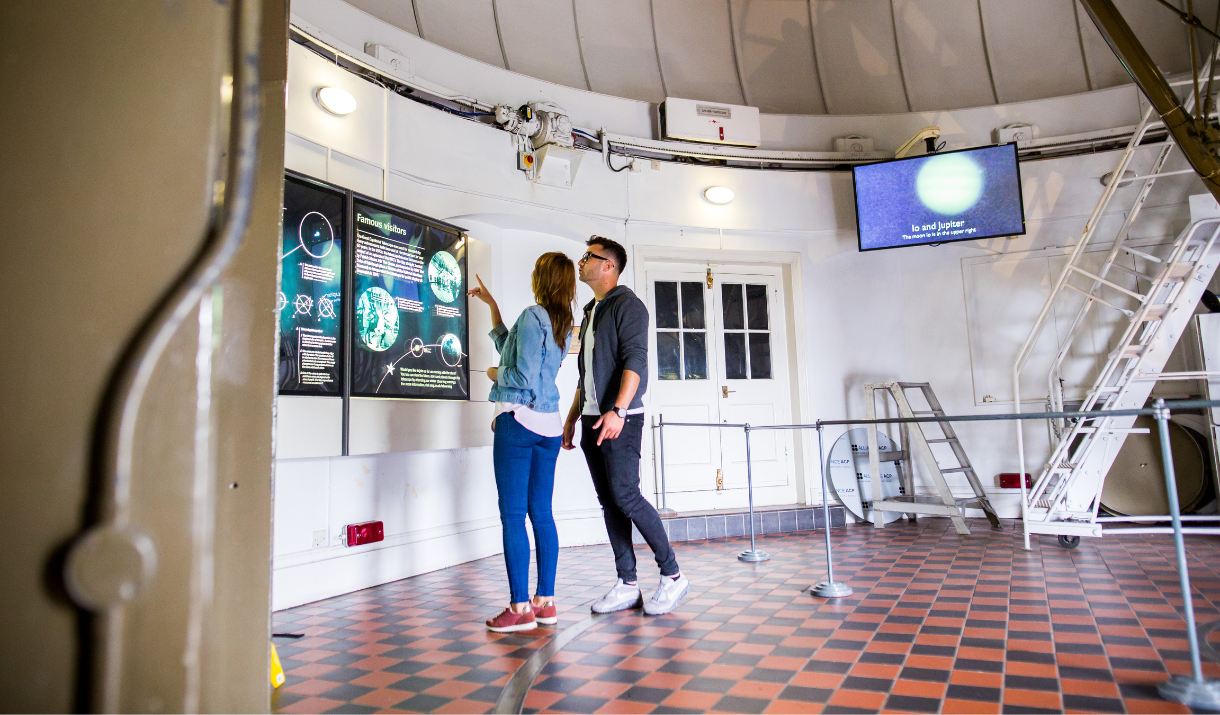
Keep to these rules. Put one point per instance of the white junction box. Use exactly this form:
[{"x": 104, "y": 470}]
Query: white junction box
[
  {"x": 853, "y": 144},
  {"x": 400, "y": 63},
  {"x": 1018, "y": 132},
  {"x": 710, "y": 122}
]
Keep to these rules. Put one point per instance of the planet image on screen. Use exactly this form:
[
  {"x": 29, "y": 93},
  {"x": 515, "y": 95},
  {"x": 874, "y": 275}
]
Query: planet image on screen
[
  {"x": 377, "y": 319},
  {"x": 949, "y": 184},
  {"x": 451, "y": 350},
  {"x": 445, "y": 276}
]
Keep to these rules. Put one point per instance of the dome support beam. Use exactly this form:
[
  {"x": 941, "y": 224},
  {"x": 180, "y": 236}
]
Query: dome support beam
[{"x": 1196, "y": 139}]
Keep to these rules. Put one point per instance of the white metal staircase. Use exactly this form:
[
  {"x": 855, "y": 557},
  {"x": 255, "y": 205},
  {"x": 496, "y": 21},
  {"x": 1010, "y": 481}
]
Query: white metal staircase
[{"x": 1155, "y": 289}]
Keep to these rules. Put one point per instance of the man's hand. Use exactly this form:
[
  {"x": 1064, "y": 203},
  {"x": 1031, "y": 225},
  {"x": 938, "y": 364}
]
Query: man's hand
[
  {"x": 569, "y": 432},
  {"x": 611, "y": 425},
  {"x": 492, "y": 372}
]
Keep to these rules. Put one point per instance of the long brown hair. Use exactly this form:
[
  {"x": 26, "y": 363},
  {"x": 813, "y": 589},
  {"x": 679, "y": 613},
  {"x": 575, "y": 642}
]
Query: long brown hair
[{"x": 554, "y": 283}]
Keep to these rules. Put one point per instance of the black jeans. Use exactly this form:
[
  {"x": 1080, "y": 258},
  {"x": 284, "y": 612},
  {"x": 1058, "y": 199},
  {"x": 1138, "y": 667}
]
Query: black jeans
[{"x": 615, "y": 467}]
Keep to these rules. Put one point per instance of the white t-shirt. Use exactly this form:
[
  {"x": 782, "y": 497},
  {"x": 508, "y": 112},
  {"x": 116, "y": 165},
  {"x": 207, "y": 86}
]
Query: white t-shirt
[
  {"x": 543, "y": 424},
  {"x": 590, "y": 387},
  {"x": 592, "y": 408}
]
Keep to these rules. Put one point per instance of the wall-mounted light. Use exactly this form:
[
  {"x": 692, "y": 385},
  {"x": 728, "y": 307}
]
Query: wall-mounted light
[
  {"x": 335, "y": 100},
  {"x": 718, "y": 194}
]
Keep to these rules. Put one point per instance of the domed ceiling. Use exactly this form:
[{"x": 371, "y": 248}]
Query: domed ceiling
[{"x": 802, "y": 56}]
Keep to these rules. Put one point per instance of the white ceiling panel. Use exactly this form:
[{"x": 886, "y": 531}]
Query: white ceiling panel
[
  {"x": 857, "y": 57},
  {"x": 775, "y": 49},
  {"x": 944, "y": 61},
  {"x": 399, "y": 13},
  {"x": 540, "y": 40},
  {"x": 1160, "y": 31},
  {"x": 464, "y": 26},
  {"x": 620, "y": 57},
  {"x": 1034, "y": 48},
  {"x": 695, "y": 45}
]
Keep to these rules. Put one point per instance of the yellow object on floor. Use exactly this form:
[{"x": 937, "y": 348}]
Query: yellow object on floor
[{"x": 277, "y": 670}]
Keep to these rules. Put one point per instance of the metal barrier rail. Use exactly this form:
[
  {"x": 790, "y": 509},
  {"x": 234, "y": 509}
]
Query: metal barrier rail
[{"x": 1194, "y": 690}]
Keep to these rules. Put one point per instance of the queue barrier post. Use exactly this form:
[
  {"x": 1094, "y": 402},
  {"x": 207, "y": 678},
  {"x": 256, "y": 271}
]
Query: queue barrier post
[
  {"x": 828, "y": 588},
  {"x": 753, "y": 555},
  {"x": 1193, "y": 690},
  {"x": 664, "y": 510}
]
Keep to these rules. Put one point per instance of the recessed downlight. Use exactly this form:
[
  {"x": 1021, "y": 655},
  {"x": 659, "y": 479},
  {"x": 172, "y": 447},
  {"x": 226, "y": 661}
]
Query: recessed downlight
[
  {"x": 335, "y": 100},
  {"x": 718, "y": 194}
]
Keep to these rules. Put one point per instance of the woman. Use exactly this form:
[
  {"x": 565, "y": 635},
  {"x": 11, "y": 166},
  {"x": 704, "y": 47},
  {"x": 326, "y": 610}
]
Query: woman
[{"x": 529, "y": 430}]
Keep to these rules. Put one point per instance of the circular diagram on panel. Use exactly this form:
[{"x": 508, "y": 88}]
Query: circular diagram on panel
[
  {"x": 849, "y": 472},
  {"x": 445, "y": 277},
  {"x": 316, "y": 234},
  {"x": 417, "y": 347},
  {"x": 377, "y": 319},
  {"x": 281, "y": 301},
  {"x": 303, "y": 304},
  {"x": 451, "y": 350}
]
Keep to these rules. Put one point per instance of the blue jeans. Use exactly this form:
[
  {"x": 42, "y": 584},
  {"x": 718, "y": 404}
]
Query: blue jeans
[{"x": 525, "y": 478}]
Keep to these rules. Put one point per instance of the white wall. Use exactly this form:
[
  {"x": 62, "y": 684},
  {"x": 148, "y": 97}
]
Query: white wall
[{"x": 868, "y": 317}]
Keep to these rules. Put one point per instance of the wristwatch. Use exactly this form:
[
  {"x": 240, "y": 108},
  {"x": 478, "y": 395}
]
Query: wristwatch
[{"x": 621, "y": 412}]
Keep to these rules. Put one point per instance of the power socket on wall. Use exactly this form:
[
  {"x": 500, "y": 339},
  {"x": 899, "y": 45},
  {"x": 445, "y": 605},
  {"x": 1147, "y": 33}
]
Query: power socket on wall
[{"x": 319, "y": 539}]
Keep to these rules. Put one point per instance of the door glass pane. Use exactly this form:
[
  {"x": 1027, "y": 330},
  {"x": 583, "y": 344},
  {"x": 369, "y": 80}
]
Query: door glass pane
[
  {"x": 669, "y": 356},
  {"x": 756, "y": 306},
  {"x": 692, "y": 305},
  {"x": 735, "y": 356},
  {"x": 730, "y": 294},
  {"x": 760, "y": 356},
  {"x": 695, "y": 345},
  {"x": 667, "y": 304}
]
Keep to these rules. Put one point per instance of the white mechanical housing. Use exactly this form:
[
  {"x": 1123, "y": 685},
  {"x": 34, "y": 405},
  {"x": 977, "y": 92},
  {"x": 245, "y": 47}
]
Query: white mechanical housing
[{"x": 710, "y": 122}]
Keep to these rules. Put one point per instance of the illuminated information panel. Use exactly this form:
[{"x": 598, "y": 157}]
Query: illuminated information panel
[
  {"x": 308, "y": 303},
  {"x": 938, "y": 198},
  {"x": 409, "y": 306}
]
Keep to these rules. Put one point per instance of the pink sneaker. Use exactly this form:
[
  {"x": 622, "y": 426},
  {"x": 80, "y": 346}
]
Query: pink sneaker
[
  {"x": 509, "y": 622},
  {"x": 548, "y": 615}
]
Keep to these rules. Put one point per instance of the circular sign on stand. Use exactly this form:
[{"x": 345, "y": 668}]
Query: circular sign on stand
[{"x": 849, "y": 473}]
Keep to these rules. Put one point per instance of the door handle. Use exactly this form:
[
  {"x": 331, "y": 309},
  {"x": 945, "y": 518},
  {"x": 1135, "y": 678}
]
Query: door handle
[{"x": 724, "y": 391}]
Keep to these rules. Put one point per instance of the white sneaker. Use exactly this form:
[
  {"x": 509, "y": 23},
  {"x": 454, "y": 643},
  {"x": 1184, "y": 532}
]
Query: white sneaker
[
  {"x": 621, "y": 597},
  {"x": 668, "y": 595}
]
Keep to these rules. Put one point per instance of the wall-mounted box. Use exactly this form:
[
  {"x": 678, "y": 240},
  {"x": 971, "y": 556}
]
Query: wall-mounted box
[
  {"x": 710, "y": 122},
  {"x": 365, "y": 533}
]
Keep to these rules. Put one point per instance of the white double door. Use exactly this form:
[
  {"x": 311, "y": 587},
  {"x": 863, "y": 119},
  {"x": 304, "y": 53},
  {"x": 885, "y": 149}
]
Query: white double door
[{"x": 721, "y": 357}]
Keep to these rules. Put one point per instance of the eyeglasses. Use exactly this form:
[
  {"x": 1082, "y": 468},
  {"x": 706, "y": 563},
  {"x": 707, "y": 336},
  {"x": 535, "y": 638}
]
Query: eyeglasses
[{"x": 591, "y": 254}]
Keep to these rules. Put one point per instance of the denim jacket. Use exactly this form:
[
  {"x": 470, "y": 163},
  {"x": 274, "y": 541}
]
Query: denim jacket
[{"x": 529, "y": 361}]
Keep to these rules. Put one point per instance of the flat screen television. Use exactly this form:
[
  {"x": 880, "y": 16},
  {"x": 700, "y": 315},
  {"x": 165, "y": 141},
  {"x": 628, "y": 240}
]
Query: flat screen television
[
  {"x": 408, "y": 311},
  {"x": 938, "y": 198},
  {"x": 309, "y": 301}
]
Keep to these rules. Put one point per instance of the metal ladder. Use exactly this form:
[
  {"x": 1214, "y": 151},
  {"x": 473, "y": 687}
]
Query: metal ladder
[
  {"x": 1066, "y": 496},
  {"x": 943, "y": 503}
]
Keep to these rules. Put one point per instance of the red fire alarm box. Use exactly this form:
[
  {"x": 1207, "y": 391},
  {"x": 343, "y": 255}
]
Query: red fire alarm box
[
  {"x": 365, "y": 533},
  {"x": 1008, "y": 480}
]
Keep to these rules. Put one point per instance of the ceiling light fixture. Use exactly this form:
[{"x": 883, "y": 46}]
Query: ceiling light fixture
[
  {"x": 335, "y": 100},
  {"x": 718, "y": 195}
]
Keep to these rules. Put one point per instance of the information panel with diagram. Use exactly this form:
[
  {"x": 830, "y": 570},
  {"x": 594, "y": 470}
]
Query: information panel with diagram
[
  {"x": 311, "y": 279},
  {"x": 408, "y": 315}
]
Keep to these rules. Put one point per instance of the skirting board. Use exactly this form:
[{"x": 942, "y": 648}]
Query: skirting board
[{"x": 311, "y": 576}]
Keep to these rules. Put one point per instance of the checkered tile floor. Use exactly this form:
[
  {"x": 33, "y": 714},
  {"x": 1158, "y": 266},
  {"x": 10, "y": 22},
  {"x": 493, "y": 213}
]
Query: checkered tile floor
[{"x": 937, "y": 623}]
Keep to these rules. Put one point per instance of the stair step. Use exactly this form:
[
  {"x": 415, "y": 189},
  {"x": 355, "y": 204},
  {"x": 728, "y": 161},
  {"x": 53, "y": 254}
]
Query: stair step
[
  {"x": 938, "y": 441},
  {"x": 957, "y": 469},
  {"x": 1155, "y": 312},
  {"x": 1179, "y": 272}
]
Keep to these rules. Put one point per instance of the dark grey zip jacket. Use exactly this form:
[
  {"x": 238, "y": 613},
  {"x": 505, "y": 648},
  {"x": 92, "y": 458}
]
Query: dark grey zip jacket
[{"x": 620, "y": 343}]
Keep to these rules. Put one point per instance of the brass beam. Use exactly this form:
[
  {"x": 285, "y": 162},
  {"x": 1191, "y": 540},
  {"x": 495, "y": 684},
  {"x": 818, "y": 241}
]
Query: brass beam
[{"x": 1188, "y": 134}]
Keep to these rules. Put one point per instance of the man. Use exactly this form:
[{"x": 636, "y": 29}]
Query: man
[{"x": 613, "y": 378}]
